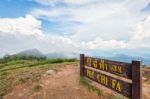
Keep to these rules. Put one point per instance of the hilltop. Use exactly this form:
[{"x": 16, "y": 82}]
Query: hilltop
[{"x": 52, "y": 79}]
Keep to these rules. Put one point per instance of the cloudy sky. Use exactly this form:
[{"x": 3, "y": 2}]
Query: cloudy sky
[{"x": 96, "y": 27}]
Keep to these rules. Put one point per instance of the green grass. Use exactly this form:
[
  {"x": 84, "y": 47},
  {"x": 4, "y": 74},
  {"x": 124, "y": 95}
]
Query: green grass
[
  {"x": 20, "y": 71},
  {"x": 87, "y": 83}
]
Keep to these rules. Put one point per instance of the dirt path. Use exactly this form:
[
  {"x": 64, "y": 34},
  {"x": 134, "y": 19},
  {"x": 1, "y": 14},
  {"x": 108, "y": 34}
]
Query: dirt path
[{"x": 62, "y": 85}]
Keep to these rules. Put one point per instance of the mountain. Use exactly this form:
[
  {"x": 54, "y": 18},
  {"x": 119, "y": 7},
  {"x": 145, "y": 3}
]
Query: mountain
[
  {"x": 37, "y": 53},
  {"x": 127, "y": 58},
  {"x": 31, "y": 52},
  {"x": 119, "y": 57}
]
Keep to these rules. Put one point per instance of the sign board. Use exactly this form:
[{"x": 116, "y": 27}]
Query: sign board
[
  {"x": 90, "y": 67},
  {"x": 114, "y": 67}
]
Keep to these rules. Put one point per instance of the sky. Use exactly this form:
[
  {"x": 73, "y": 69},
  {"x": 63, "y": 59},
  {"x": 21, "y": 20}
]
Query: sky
[{"x": 94, "y": 27}]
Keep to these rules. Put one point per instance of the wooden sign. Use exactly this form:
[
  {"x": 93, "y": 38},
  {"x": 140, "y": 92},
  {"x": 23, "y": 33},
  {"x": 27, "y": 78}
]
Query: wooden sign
[
  {"x": 114, "y": 67},
  {"x": 91, "y": 67},
  {"x": 116, "y": 85}
]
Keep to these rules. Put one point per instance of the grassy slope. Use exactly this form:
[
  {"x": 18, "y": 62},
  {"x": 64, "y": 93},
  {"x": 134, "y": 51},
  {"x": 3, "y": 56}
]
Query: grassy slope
[{"x": 19, "y": 71}]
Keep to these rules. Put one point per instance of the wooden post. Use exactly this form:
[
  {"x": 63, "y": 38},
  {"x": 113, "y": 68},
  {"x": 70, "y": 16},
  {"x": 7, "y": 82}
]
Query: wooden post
[
  {"x": 136, "y": 80},
  {"x": 81, "y": 64}
]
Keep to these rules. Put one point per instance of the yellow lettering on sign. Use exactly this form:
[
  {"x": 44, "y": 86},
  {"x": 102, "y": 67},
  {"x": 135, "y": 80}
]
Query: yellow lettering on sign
[
  {"x": 116, "y": 85},
  {"x": 95, "y": 63},
  {"x": 106, "y": 66},
  {"x": 89, "y": 61},
  {"x": 113, "y": 83},
  {"x": 103, "y": 66},
  {"x": 116, "y": 68},
  {"x": 120, "y": 69},
  {"x": 113, "y": 68},
  {"x": 102, "y": 79},
  {"x": 90, "y": 74}
]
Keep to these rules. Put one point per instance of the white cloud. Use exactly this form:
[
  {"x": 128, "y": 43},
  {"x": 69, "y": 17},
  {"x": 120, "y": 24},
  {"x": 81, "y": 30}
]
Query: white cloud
[
  {"x": 108, "y": 23},
  {"x": 98, "y": 18},
  {"x": 100, "y": 44},
  {"x": 42, "y": 12},
  {"x": 27, "y": 25},
  {"x": 142, "y": 30},
  {"x": 69, "y": 2},
  {"x": 141, "y": 37},
  {"x": 17, "y": 34}
]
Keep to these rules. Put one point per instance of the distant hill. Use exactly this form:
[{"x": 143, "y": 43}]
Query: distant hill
[
  {"x": 127, "y": 58},
  {"x": 31, "y": 52},
  {"x": 37, "y": 53},
  {"x": 120, "y": 57}
]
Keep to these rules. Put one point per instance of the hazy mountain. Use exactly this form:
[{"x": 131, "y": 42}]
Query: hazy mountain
[
  {"x": 127, "y": 58},
  {"x": 120, "y": 57},
  {"x": 31, "y": 52},
  {"x": 37, "y": 53}
]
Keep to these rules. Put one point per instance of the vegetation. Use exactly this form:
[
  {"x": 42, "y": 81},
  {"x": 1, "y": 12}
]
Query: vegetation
[
  {"x": 8, "y": 58},
  {"x": 87, "y": 83},
  {"x": 14, "y": 71}
]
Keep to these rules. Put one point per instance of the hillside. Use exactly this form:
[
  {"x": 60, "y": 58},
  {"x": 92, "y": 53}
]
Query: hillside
[{"x": 17, "y": 72}]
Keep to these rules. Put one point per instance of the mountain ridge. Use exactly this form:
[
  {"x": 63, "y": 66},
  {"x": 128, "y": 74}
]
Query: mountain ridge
[{"x": 119, "y": 57}]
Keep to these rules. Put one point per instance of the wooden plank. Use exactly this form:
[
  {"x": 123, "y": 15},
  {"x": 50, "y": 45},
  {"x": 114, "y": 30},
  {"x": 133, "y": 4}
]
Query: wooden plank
[
  {"x": 81, "y": 64},
  {"x": 136, "y": 80},
  {"x": 119, "y": 68},
  {"x": 116, "y": 85}
]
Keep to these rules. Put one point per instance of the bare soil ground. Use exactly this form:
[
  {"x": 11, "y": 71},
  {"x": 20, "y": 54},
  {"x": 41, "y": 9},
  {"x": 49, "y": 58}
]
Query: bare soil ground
[{"x": 62, "y": 84}]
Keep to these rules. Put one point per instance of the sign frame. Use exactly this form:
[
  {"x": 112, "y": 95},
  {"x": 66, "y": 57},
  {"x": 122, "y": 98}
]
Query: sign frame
[{"x": 133, "y": 68}]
